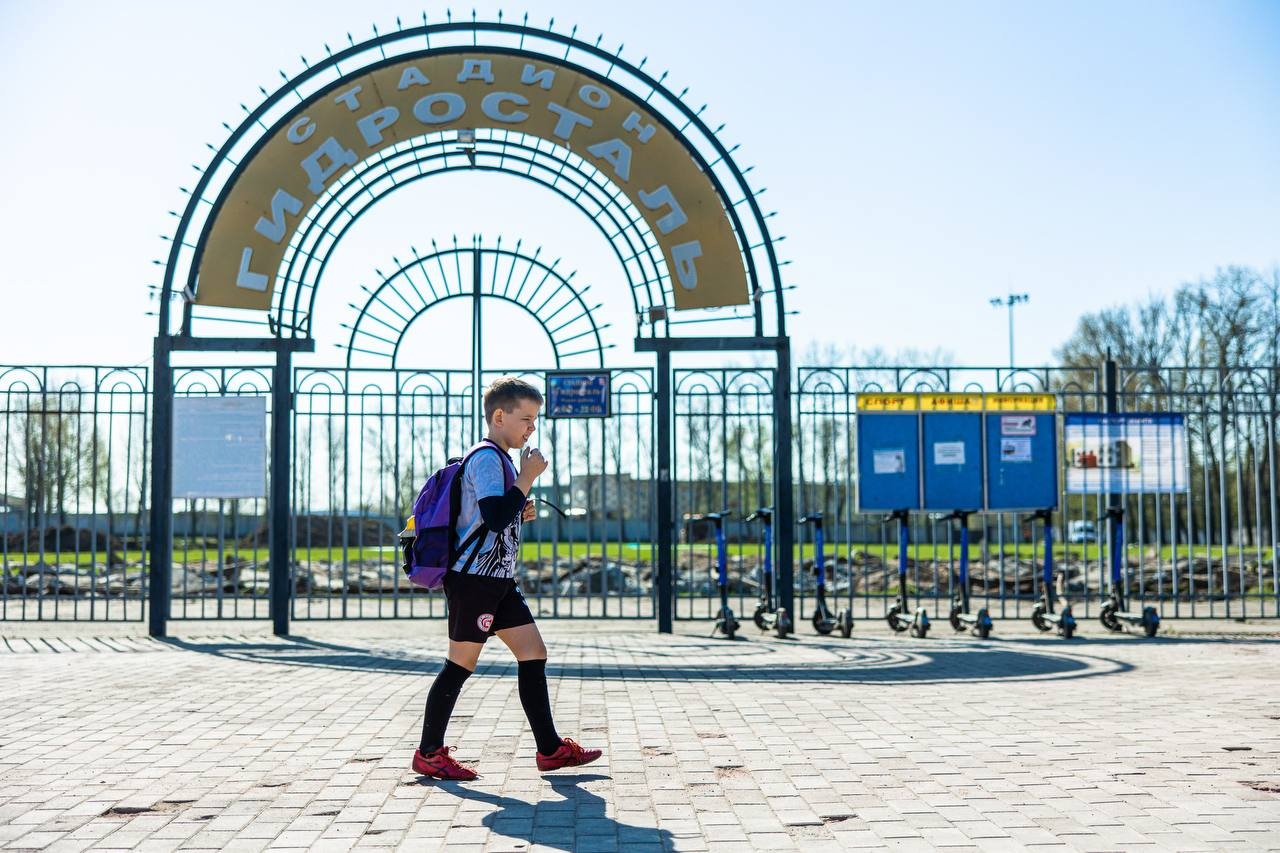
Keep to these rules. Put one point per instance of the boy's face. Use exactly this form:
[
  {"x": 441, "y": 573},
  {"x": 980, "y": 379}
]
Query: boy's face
[{"x": 516, "y": 426}]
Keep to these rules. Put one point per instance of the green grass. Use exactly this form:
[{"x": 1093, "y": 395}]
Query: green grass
[{"x": 631, "y": 552}]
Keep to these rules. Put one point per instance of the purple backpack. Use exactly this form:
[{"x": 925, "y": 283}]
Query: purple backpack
[{"x": 429, "y": 541}]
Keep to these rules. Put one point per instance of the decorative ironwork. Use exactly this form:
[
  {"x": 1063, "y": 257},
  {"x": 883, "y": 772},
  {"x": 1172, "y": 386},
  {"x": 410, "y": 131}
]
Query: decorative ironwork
[{"x": 474, "y": 271}]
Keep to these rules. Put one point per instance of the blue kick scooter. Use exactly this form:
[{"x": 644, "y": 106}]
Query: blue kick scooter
[
  {"x": 1115, "y": 614},
  {"x": 899, "y": 615},
  {"x": 824, "y": 621},
  {"x": 725, "y": 622},
  {"x": 767, "y": 617},
  {"x": 961, "y": 619},
  {"x": 1042, "y": 616}
]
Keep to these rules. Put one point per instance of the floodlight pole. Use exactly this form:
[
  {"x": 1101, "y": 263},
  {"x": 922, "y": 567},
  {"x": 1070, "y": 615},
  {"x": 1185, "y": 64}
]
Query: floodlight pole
[{"x": 1008, "y": 302}]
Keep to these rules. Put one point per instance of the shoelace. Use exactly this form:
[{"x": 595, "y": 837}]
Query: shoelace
[
  {"x": 574, "y": 749},
  {"x": 442, "y": 754}
]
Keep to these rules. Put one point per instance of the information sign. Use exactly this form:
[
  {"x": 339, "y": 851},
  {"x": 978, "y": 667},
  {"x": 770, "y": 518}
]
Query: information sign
[
  {"x": 1021, "y": 403},
  {"x": 951, "y": 402},
  {"x": 1126, "y": 453},
  {"x": 579, "y": 394},
  {"x": 887, "y": 402},
  {"x": 219, "y": 447}
]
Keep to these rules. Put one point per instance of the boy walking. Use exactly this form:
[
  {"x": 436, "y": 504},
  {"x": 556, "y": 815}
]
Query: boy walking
[{"x": 480, "y": 587}]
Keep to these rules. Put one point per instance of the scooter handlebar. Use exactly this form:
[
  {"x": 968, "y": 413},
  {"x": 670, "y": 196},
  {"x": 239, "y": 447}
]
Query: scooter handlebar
[
  {"x": 764, "y": 513},
  {"x": 708, "y": 516}
]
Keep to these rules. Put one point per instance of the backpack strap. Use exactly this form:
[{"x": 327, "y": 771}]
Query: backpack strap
[{"x": 455, "y": 504}]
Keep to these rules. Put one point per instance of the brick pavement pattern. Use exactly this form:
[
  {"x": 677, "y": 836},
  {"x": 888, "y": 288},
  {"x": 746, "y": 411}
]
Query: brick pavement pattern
[{"x": 249, "y": 742}]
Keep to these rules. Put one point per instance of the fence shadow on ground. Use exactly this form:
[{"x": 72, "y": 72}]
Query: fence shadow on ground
[
  {"x": 681, "y": 658},
  {"x": 567, "y": 824}
]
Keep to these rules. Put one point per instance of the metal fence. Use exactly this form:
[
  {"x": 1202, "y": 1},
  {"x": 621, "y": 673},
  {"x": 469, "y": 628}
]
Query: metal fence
[
  {"x": 73, "y": 522},
  {"x": 1209, "y": 552},
  {"x": 367, "y": 439},
  {"x": 74, "y": 516}
]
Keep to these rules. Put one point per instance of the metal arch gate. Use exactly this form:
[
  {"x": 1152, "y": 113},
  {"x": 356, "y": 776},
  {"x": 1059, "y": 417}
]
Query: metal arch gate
[{"x": 282, "y": 258}]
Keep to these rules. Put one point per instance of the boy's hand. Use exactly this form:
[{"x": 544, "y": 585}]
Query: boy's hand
[
  {"x": 530, "y": 512},
  {"x": 532, "y": 463}
]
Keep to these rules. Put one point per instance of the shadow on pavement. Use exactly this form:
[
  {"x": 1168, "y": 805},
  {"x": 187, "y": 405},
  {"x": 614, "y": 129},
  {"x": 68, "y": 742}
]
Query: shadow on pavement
[
  {"x": 568, "y": 824},
  {"x": 691, "y": 659}
]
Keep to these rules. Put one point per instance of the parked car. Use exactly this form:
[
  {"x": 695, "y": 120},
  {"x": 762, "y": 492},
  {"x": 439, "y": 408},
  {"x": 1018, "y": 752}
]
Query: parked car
[{"x": 1081, "y": 531}]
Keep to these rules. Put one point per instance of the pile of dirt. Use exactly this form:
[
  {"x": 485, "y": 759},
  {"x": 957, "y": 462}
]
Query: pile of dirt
[
  {"x": 326, "y": 531},
  {"x": 64, "y": 539}
]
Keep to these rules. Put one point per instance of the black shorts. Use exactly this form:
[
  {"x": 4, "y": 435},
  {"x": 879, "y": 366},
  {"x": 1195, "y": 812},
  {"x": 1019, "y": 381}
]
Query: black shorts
[{"x": 480, "y": 606}]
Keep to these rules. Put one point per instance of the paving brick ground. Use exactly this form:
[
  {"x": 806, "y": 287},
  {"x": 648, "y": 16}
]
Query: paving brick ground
[{"x": 241, "y": 741}]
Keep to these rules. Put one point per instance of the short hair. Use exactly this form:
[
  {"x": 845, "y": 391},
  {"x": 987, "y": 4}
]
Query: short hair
[{"x": 505, "y": 393}]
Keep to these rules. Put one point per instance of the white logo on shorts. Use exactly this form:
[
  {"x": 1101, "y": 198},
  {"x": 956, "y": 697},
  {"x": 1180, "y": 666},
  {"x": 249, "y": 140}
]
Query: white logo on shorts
[{"x": 485, "y": 620}]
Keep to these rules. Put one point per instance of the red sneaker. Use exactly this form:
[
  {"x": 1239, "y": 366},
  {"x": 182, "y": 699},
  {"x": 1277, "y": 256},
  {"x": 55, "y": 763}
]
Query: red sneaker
[
  {"x": 570, "y": 754},
  {"x": 440, "y": 765}
]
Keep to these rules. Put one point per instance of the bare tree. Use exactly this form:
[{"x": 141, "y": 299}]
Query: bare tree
[
  {"x": 1211, "y": 332},
  {"x": 48, "y": 459}
]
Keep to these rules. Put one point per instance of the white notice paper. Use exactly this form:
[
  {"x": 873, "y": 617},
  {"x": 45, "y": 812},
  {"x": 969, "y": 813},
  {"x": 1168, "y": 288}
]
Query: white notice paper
[
  {"x": 1017, "y": 424},
  {"x": 889, "y": 461},
  {"x": 219, "y": 447},
  {"x": 1015, "y": 450},
  {"x": 948, "y": 453}
]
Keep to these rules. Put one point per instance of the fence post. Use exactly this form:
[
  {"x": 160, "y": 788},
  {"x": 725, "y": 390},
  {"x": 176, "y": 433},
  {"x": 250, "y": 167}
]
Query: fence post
[
  {"x": 1111, "y": 405},
  {"x": 161, "y": 489},
  {"x": 663, "y": 557},
  {"x": 785, "y": 511},
  {"x": 278, "y": 506}
]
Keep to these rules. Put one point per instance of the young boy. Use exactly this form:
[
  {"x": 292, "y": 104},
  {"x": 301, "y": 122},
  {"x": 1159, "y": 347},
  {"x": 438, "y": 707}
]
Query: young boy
[{"x": 481, "y": 590}]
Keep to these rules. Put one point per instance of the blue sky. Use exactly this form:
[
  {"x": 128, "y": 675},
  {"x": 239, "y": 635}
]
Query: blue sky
[{"x": 923, "y": 157}]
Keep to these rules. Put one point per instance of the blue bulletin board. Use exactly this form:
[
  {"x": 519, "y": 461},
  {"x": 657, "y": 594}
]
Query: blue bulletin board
[
  {"x": 942, "y": 452},
  {"x": 1022, "y": 461},
  {"x": 888, "y": 462},
  {"x": 952, "y": 457}
]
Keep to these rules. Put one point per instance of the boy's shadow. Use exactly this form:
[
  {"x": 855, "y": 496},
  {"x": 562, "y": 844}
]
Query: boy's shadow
[{"x": 568, "y": 824}]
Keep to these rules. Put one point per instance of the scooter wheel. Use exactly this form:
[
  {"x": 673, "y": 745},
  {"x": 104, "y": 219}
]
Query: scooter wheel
[
  {"x": 822, "y": 626},
  {"x": 892, "y": 617},
  {"x": 919, "y": 631},
  {"x": 1107, "y": 616},
  {"x": 783, "y": 626},
  {"x": 956, "y": 624},
  {"x": 1066, "y": 623},
  {"x": 759, "y": 617},
  {"x": 984, "y": 630},
  {"x": 846, "y": 623},
  {"x": 1037, "y": 618},
  {"x": 1150, "y": 621}
]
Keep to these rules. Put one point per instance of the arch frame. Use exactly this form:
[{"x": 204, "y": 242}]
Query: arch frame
[{"x": 686, "y": 124}]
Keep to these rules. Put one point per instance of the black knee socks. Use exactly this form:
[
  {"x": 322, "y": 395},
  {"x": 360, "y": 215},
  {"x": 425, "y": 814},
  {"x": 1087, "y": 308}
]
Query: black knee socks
[
  {"x": 440, "y": 702},
  {"x": 533, "y": 696},
  {"x": 537, "y": 704}
]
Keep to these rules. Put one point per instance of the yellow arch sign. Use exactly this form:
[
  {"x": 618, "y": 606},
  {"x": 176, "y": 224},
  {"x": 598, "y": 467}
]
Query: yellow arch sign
[{"x": 324, "y": 138}]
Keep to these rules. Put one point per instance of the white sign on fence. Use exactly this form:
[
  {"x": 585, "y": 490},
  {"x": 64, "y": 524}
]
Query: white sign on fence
[
  {"x": 220, "y": 447},
  {"x": 1125, "y": 454}
]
